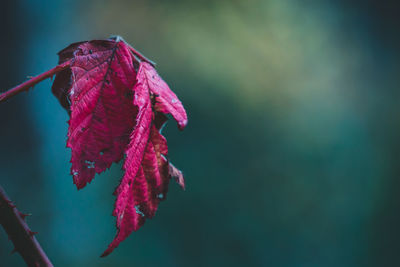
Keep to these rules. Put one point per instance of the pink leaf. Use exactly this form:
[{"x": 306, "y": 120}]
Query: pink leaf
[
  {"x": 146, "y": 167},
  {"x": 116, "y": 102},
  {"x": 102, "y": 114},
  {"x": 136, "y": 147},
  {"x": 166, "y": 100}
]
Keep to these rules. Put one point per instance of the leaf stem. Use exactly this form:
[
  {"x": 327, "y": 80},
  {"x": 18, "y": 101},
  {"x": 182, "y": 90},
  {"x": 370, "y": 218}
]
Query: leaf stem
[
  {"x": 31, "y": 82},
  {"x": 25, "y": 243},
  {"x": 118, "y": 38},
  {"x": 140, "y": 55}
]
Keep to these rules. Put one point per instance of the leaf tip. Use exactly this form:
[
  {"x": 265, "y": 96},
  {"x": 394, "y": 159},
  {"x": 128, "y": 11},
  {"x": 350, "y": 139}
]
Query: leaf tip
[
  {"x": 105, "y": 253},
  {"x": 108, "y": 251},
  {"x": 177, "y": 174},
  {"x": 182, "y": 124}
]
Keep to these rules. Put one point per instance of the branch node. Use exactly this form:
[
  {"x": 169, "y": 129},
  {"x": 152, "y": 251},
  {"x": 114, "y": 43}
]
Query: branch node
[
  {"x": 31, "y": 233},
  {"x": 24, "y": 215},
  {"x": 10, "y": 204}
]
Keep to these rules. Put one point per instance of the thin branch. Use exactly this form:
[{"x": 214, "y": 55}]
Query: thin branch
[
  {"x": 25, "y": 243},
  {"x": 31, "y": 82}
]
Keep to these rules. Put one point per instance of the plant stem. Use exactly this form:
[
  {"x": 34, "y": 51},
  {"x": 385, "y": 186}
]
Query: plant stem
[
  {"x": 140, "y": 55},
  {"x": 25, "y": 243},
  {"x": 31, "y": 82},
  {"x": 118, "y": 38}
]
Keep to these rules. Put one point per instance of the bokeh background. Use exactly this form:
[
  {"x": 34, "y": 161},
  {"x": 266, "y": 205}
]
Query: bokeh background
[{"x": 292, "y": 148}]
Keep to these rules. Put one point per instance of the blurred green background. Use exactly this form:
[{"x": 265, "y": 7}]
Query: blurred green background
[{"x": 292, "y": 148}]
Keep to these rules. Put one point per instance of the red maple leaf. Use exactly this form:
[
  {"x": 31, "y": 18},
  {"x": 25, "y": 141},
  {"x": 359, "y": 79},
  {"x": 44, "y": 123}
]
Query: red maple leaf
[{"x": 116, "y": 101}]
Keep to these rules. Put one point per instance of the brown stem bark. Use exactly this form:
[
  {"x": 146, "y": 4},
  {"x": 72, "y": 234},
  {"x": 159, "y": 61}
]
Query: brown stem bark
[
  {"x": 25, "y": 243},
  {"x": 34, "y": 80}
]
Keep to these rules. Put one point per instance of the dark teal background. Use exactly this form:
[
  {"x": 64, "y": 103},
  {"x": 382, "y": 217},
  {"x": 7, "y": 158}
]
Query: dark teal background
[{"x": 291, "y": 155}]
